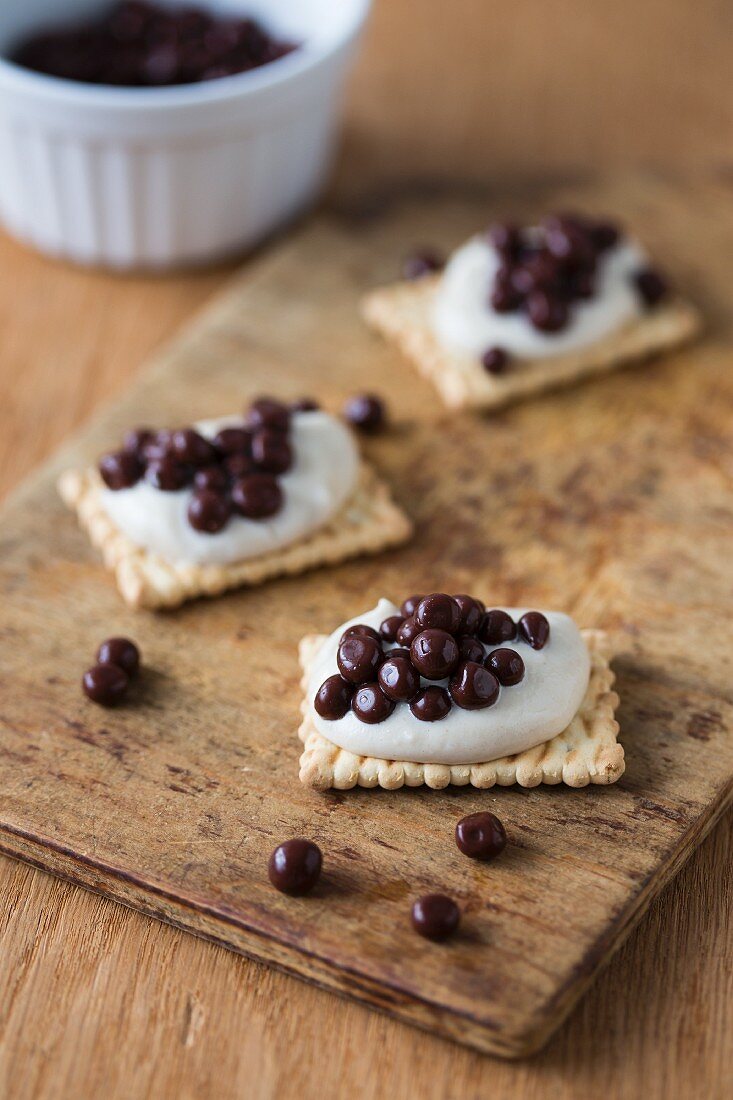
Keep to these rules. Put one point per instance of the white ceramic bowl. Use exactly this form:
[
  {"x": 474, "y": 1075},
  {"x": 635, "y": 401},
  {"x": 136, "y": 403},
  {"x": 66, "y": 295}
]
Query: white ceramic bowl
[{"x": 130, "y": 177}]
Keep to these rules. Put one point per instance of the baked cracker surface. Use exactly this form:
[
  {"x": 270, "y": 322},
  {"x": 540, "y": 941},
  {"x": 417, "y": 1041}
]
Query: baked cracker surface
[
  {"x": 401, "y": 313},
  {"x": 368, "y": 523},
  {"x": 585, "y": 752}
]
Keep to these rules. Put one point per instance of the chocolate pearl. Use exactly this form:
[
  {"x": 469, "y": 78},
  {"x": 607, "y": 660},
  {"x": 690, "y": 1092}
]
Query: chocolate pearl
[
  {"x": 471, "y": 614},
  {"x": 365, "y": 412},
  {"x": 167, "y": 474},
  {"x": 473, "y": 687},
  {"x": 431, "y": 704},
  {"x": 159, "y": 446},
  {"x": 604, "y": 235},
  {"x": 495, "y": 361},
  {"x": 651, "y": 286},
  {"x": 398, "y": 651},
  {"x": 505, "y": 238},
  {"x": 333, "y": 698},
  {"x": 398, "y": 679},
  {"x": 135, "y": 439},
  {"x": 504, "y": 298},
  {"x": 359, "y": 658},
  {"x": 190, "y": 447},
  {"x": 257, "y": 496},
  {"x": 546, "y": 312},
  {"x": 305, "y": 405},
  {"x": 470, "y": 649},
  {"x": 271, "y": 451},
  {"x": 440, "y": 611},
  {"x": 434, "y": 653},
  {"x": 121, "y": 652},
  {"x": 266, "y": 412},
  {"x": 210, "y": 477},
  {"x": 237, "y": 466},
  {"x": 506, "y": 665},
  {"x": 363, "y": 631},
  {"x": 535, "y": 629},
  {"x": 121, "y": 470},
  {"x": 497, "y": 627},
  {"x": 389, "y": 627},
  {"x": 435, "y": 916},
  {"x": 408, "y": 631},
  {"x": 481, "y": 836},
  {"x": 209, "y": 511},
  {"x": 295, "y": 867},
  {"x": 370, "y": 704},
  {"x": 425, "y": 262},
  {"x": 409, "y": 607},
  {"x": 568, "y": 239},
  {"x": 105, "y": 684},
  {"x": 232, "y": 441}
]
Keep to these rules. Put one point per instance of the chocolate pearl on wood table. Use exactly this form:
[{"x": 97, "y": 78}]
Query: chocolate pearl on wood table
[
  {"x": 434, "y": 653},
  {"x": 497, "y": 627},
  {"x": 398, "y": 679},
  {"x": 105, "y": 684},
  {"x": 481, "y": 836},
  {"x": 470, "y": 649},
  {"x": 473, "y": 687},
  {"x": 389, "y": 627},
  {"x": 365, "y": 412},
  {"x": 232, "y": 441},
  {"x": 167, "y": 474},
  {"x": 435, "y": 916},
  {"x": 471, "y": 614},
  {"x": 271, "y": 451},
  {"x": 266, "y": 412},
  {"x": 408, "y": 631},
  {"x": 359, "y": 658},
  {"x": 295, "y": 867},
  {"x": 370, "y": 704},
  {"x": 209, "y": 511},
  {"x": 191, "y": 448},
  {"x": 440, "y": 611},
  {"x": 305, "y": 405},
  {"x": 257, "y": 496},
  {"x": 495, "y": 361},
  {"x": 210, "y": 477},
  {"x": 431, "y": 704},
  {"x": 423, "y": 262},
  {"x": 121, "y": 652},
  {"x": 333, "y": 698},
  {"x": 534, "y": 629},
  {"x": 120, "y": 470},
  {"x": 409, "y": 607},
  {"x": 364, "y": 631},
  {"x": 651, "y": 285},
  {"x": 506, "y": 665}
]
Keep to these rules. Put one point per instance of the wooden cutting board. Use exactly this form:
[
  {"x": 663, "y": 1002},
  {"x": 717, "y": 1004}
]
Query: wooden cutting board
[{"x": 611, "y": 501}]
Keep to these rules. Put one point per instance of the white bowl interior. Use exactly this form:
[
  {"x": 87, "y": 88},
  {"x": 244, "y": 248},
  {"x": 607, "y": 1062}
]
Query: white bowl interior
[{"x": 316, "y": 23}]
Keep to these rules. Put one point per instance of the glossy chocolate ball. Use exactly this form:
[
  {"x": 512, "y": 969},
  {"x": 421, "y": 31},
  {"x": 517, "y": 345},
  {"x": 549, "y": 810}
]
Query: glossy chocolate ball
[
  {"x": 389, "y": 627},
  {"x": 407, "y": 631},
  {"x": 267, "y": 412},
  {"x": 190, "y": 447},
  {"x": 120, "y": 470},
  {"x": 210, "y": 477},
  {"x": 409, "y": 607},
  {"x": 365, "y": 412},
  {"x": 481, "y": 836},
  {"x": 121, "y": 652},
  {"x": 434, "y": 653},
  {"x": 271, "y": 451},
  {"x": 497, "y": 627},
  {"x": 333, "y": 698},
  {"x": 495, "y": 360},
  {"x": 506, "y": 665},
  {"x": 136, "y": 439},
  {"x": 473, "y": 687},
  {"x": 257, "y": 496},
  {"x": 431, "y": 704},
  {"x": 398, "y": 679},
  {"x": 362, "y": 630},
  {"x": 439, "y": 611},
  {"x": 209, "y": 511},
  {"x": 534, "y": 629},
  {"x": 105, "y": 684},
  {"x": 233, "y": 441},
  {"x": 546, "y": 311},
  {"x": 370, "y": 704},
  {"x": 167, "y": 474},
  {"x": 359, "y": 658},
  {"x": 652, "y": 286},
  {"x": 305, "y": 405},
  {"x": 295, "y": 867},
  {"x": 471, "y": 614},
  {"x": 470, "y": 649},
  {"x": 435, "y": 916}
]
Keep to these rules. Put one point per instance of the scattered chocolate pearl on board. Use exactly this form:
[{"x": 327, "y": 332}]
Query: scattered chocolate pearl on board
[
  {"x": 495, "y": 361},
  {"x": 435, "y": 916},
  {"x": 295, "y": 866},
  {"x": 481, "y": 836},
  {"x": 121, "y": 652},
  {"x": 105, "y": 684},
  {"x": 365, "y": 412}
]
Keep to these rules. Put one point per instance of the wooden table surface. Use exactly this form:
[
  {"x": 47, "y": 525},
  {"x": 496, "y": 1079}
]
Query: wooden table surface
[{"x": 96, "y": 1000}]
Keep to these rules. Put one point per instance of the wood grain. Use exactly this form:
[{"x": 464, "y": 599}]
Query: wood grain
[{"x": 609, "y": 469}]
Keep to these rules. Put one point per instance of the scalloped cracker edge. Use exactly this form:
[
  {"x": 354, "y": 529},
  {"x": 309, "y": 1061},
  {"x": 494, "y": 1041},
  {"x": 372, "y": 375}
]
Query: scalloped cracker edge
[
  {"x": 401, "y": 313},
  {"x": 368, "y": 523},
  {"x": 585, "y": 752}
]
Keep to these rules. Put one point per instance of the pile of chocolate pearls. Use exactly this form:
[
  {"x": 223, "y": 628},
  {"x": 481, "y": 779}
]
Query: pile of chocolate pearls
[{"x": 436, "y": 638}]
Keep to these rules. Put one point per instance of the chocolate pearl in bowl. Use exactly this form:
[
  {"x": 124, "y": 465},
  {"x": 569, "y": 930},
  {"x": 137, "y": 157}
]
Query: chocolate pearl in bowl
[
  {"x": 333, "y": 698},
  {"x": 359, "y": 659},
  {"x": 295, "y": 867},
  {"x": 439, "y": 611},
  {"x": 121, "y": 652},
  {"x": 105, "y": 684},
  {"x": 534, "y": 629},
  {"x": 120, "y": 470},
  {"x": 431, "y": 704},
  {"x": 473, "y": 687},
  {"x": 434, "y": 653},
  {"x": 398, "y": 679},
  {"x": 388, "y": 627},
  {"x": 435, "y": 916},
  {"x": 365, "y": 412},
  {"x": 370, "y": 704},
  {"x": 497, "y": 627},
  {"x": 209, "y": 511},
  {"x": 506, "y": 665},
  {"x": 481, "y": 836},
  {"x": 257, "y": 496}
]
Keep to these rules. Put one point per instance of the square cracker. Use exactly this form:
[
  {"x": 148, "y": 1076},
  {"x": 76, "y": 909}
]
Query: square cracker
[
  {"x": 585, "y": 752},
  {"x": 401, "y": 312},
  {"x": 368, "y": 523}
]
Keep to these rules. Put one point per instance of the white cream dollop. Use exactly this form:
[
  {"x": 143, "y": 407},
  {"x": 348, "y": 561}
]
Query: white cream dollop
[
  {"x": 323, "y": 476},
  {"x": 525, "y": 715},
  {"x": 465, "y": 322}
]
